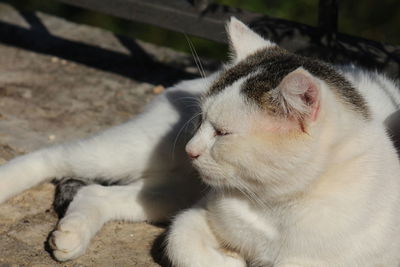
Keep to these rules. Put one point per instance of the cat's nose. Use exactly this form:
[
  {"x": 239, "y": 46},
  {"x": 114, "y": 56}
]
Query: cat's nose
[
  {"x": 192, "y": 155},
  {"x": 194, "y": 148}
]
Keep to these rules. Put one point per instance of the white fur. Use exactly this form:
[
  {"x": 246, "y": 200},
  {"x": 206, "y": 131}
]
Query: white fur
[
  {"x": 243, "y": 42},
  {"x": 280, "y": 197}
]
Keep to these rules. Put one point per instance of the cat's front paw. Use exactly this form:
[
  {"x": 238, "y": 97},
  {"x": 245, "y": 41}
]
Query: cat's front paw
[
  {"x": 220, "y": 260},
  {"x": 229, "y": 261},
  {"x": 227, "y": 257},
  {"x": 70, "y": 239}
]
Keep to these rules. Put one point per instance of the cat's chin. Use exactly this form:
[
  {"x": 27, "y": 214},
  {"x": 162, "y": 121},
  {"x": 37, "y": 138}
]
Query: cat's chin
[
  {"x": 211, "y": 181},
  {"x": 207, "y": 179},
  {"x": 215, "y": 180}
]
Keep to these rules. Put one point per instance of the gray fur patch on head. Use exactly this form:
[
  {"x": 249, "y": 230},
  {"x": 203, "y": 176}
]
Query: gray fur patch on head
[
  {"x": 247, "y": 66},
  {"x": 271, "y": 65}
]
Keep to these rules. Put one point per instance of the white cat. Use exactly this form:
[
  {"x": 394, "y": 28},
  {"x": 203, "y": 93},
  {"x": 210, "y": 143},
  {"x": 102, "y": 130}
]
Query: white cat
[{"x": 300, "y": 169}]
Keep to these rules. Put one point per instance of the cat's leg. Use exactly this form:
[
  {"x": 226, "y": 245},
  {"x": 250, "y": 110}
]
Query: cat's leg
[
  {"x": 28, "y": 170},
  {"x": 302, "y": 263},
  {"x": 143, "y": 145},
  {"x": 191, "y": 243},
  {"x": 94, "y": 205},
  {"x": 125, "y": 151}
]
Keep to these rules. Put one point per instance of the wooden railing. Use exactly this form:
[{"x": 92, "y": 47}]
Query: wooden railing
[
  {"x": 200, "y": 18},
  {"x": 207, "y": 20}
]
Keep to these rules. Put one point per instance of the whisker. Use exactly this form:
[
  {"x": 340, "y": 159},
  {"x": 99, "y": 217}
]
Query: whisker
[
  {"x": 198, "y": 59},
  {"x": 180, "y": 131},
  {"x": 252, "y": 196},
  {"x": 283, "y": 243},
  {"x": 189, "y": 100},
  {"x": 195, "y": 99},
  {"x": 195, "y": 56}
]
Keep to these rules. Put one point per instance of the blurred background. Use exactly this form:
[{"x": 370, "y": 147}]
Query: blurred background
[{"x": 370, "y": 19}]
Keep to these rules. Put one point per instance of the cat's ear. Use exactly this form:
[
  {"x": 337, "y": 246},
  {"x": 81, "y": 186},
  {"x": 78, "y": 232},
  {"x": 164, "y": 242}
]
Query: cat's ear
[
  {"x": 300, "y": 95},
  {"x": 244, "y": 41}
]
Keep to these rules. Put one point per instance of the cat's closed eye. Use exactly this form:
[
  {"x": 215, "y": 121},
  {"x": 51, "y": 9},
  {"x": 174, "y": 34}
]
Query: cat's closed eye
[{"x": 219, "y": 132}]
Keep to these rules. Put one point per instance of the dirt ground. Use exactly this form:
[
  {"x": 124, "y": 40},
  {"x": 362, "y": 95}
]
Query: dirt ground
[{"x": 60, "y": 81}]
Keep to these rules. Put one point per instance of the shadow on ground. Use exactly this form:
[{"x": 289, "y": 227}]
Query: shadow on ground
[{"x": 137, "y": 65}]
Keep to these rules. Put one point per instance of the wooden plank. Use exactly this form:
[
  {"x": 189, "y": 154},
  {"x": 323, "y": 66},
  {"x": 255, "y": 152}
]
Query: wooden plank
[
  {"x": 177, "y": 15},
  {"x": 182, "y": 16}
]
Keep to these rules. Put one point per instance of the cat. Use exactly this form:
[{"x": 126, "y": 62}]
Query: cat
[{"x": 291, "y": 165}]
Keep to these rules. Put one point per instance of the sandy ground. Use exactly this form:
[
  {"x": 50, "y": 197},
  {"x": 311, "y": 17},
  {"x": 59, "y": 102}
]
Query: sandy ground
[{"x": 50, "y": 93}]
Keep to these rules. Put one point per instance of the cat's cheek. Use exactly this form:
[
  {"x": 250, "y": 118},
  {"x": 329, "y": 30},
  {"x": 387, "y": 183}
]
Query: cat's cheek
[
  {"x": 217, "y": 152},
  {"x": 264, "y": 123},
  {"x": 225, "y": 150},
  {"x": 235, "y": 152}
]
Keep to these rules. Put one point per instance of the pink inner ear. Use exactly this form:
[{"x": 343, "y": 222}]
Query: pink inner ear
[
  {"x": 315, "y": 112},
  {"x": 311, "y": 98},
  {"x": 299, "y": 85}
]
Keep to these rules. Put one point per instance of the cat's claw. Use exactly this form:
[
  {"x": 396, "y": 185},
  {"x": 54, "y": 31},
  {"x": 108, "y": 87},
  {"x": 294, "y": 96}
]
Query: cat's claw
[{"x": 70, "y": 239}]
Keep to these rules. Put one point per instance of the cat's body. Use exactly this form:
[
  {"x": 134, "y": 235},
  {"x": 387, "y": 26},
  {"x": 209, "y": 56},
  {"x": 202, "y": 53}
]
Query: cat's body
[{"x": 301, "y": 168}]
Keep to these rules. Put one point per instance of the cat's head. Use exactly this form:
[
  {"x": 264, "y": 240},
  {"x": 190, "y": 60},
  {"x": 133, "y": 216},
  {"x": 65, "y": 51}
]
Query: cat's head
[{"x": 262, "y": 116}]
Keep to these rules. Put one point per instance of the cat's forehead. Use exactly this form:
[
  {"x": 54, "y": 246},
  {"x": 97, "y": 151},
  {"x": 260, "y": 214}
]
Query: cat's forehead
[
  {"x": 229, "y": 110},
  {"x": 263, "y": 71},
  {"x": 227, "y": 102}
]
